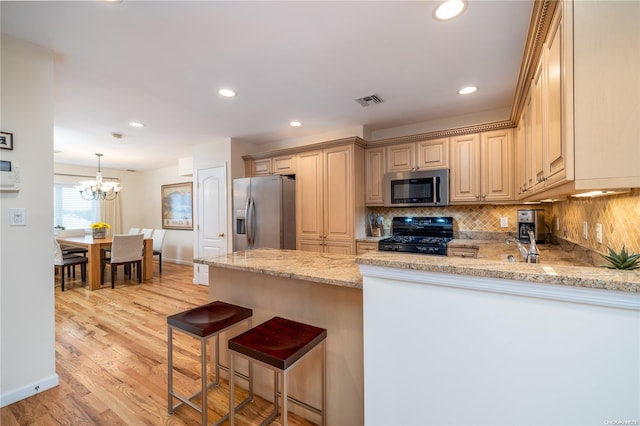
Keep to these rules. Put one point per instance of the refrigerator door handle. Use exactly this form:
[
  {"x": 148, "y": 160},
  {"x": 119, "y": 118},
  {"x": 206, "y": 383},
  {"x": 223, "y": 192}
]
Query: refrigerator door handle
[
  {"x": 251, "y": 223},
  {"x": 247, "y": 221}
]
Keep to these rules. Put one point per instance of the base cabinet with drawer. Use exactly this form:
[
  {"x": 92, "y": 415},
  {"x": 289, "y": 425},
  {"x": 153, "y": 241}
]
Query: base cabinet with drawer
[{"x": 364, "y": 247}]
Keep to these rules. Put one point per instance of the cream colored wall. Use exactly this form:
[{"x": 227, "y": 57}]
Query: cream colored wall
[
  {"x": 178, "y": 244},
  {"x": 27, "y": 323}
]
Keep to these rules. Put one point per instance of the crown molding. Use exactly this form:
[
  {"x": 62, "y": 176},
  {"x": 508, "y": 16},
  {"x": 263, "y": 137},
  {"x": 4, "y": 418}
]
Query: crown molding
[
  {"x": 476, "y": 128},
  {"x": 355, "y": 140}
]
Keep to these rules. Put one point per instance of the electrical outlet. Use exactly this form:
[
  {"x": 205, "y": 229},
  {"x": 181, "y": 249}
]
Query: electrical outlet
[
  {"x": 599, "y": 233},
  {"x": 585, "y": 230},
  {"x": 504, "y": 222}
]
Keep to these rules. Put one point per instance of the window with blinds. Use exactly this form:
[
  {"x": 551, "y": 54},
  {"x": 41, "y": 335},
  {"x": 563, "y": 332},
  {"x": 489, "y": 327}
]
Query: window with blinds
[{"x": 71, "y": 210}]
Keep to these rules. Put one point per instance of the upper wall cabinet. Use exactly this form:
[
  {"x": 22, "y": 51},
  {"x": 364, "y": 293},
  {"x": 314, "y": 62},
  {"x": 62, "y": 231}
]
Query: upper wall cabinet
[
  {"x": 423, "y": 155},
  {"x": 543, "y": 143},
  {"x": 374, "y": 176},
  {"x": 282, "y": 165},
  {"x": 578, "y": 123},
  {"x": 482, "y": 168}
]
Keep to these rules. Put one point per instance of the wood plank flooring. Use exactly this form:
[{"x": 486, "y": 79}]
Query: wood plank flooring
[{"x": 111, "y": 357}]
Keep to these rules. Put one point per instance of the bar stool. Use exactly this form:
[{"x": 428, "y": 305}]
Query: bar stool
[
  {"x": 278, "y": 344},
  {"x": 204, "y": 322}
]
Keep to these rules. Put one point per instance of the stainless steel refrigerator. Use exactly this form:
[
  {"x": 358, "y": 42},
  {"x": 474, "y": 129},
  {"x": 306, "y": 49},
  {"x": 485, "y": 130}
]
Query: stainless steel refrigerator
[{"x": 264, "y": 213}]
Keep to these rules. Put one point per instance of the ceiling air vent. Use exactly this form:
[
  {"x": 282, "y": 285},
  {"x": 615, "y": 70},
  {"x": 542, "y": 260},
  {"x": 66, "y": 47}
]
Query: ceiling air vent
[{"x": 369, "y": 100}]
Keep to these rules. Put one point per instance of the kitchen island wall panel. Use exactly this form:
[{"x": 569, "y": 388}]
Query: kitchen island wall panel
[
  {"x": 475, "y": 352},
  {"x": 336, "y": 307}
]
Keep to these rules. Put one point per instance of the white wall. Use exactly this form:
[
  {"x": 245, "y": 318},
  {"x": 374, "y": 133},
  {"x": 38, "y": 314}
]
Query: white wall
[
  {"x": 178, "y": 244},
  {"x": 27, "y": 333},
  {"x": 443, "y": 349}
]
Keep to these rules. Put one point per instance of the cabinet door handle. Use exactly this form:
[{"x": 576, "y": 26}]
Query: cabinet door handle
[{"x": 221, "y": 235}]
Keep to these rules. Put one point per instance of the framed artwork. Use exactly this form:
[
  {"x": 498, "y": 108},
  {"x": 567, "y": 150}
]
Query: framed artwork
[
  {"x": 177, "y": 206},
  {"x": 6, "y": 140}
]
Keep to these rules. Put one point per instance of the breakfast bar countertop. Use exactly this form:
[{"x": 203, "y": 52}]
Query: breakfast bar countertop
[
  {"x": 488, "y": 267},
  {"x": 325, "y": 268}
]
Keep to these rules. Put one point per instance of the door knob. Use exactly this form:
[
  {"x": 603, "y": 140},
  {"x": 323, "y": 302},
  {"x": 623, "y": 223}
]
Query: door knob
[{"x": 221, "y": 235}]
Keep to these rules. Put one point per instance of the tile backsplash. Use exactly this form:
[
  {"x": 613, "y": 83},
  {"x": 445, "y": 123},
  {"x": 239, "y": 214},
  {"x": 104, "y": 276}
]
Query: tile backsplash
[
  {"x": 618, "y": 214},
  {"x": 476, "y": 218}
]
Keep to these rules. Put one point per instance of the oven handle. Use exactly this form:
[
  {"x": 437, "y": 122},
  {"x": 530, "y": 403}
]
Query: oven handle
[{"x": 437, "y": 190}]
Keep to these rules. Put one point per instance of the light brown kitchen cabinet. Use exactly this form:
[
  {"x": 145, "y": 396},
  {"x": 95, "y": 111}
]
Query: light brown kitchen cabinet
[
  {"x": 374, "y": 176},
  {"x": 465, "y": 169},
  {"x": 261, "y": 167},
  {"x": 284, "y": 165},
  {"x": 467, "y": 252},
  {"x": 544, "y": 140},
  {"x": 363, "y": 247},
  {"x": 328, "y": 202},
  {"x": 482, "y": 167},
  {"x": 423, "y": 155},
  {"x": 433, "y": 154}
]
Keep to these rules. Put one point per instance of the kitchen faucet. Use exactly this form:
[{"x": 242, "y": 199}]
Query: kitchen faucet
[{"x": 532, "y": 255}]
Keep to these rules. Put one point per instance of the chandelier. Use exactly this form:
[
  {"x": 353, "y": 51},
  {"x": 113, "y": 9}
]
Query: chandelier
[{"x": 97, "y": 189}]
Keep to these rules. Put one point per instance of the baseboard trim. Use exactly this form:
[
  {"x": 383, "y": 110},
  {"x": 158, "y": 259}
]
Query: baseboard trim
[{"x": 29, "y": 390}]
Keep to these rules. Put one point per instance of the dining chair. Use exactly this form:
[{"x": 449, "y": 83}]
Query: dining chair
[
  {"x": 147, "y": 232},
  {"x": 134, "y": 230},
  {"x": 62, "y": 262},
  {"x": 67, "y": 233},
  {"x": 126, "y": 250},
  {"x": 158, "y": 242}
]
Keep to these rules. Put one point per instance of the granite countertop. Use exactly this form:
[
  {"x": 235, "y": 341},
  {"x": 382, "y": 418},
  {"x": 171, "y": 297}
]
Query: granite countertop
[
  {"x": 550, "y": 254},
  {"x": 557, "y": 267},
  {"x": 333, "y": 269},
  {"x": 549, "y": 272}
]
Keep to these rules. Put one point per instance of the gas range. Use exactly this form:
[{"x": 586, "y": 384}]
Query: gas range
[{"x": 426, "y": 235}]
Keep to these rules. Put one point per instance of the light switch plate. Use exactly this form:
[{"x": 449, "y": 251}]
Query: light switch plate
[{"x": 17, "y": 217}]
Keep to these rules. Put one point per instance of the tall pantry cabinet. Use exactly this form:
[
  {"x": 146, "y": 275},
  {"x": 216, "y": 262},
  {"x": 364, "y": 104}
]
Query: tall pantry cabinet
[{"x": 330, "y": 197}]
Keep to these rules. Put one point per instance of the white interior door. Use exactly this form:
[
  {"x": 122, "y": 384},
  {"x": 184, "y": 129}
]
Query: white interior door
[{"x": 212, "y": 217}]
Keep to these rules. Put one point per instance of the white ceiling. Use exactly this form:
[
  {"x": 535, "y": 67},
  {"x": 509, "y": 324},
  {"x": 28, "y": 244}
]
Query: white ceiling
[{"x": 162, "y": 62}]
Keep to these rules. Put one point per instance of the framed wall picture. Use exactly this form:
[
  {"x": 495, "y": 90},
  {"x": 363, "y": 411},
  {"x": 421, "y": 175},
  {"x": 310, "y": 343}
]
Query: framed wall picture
[
  {"x": 6, "y": 140},
  {"x": 177, "y": 206}
]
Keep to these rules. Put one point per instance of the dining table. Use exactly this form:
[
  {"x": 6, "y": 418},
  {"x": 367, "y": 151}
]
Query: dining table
[{"x": 95, "y": 246}]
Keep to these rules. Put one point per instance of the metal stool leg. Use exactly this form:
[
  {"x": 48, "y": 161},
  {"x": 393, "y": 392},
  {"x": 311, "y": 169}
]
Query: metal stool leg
[{"x": 170, "y": 365}]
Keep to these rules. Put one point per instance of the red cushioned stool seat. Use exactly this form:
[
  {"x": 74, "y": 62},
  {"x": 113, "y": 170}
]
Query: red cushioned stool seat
[
  {"x": 204, "y": 322},
  {"x": 278, "y": 344}
]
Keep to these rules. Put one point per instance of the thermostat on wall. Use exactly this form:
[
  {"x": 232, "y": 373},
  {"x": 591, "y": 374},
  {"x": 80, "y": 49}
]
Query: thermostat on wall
[{"x": 9, "y": 176}]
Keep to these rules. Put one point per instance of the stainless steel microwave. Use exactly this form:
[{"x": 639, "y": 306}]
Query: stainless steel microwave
[{"x": 425, "y": 188}]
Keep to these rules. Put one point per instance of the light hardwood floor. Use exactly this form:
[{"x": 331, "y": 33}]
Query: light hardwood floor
[{"x": 111, "y": 357}]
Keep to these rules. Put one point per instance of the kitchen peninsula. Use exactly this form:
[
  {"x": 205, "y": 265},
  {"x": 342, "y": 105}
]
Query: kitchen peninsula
[
  {"x": 319, "y": 289},
  {"x": 505, "y": 341}
]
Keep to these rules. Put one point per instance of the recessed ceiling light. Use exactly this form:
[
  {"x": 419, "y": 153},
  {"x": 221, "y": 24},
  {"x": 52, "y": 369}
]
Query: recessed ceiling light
[
  {"x": 449, "y": 9},
  {"x": 227, "y": 93},
  {"x": 136, "y": 124},
  {"x": 295, "y": 124},
  {"x": 467, "y": 90}
]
